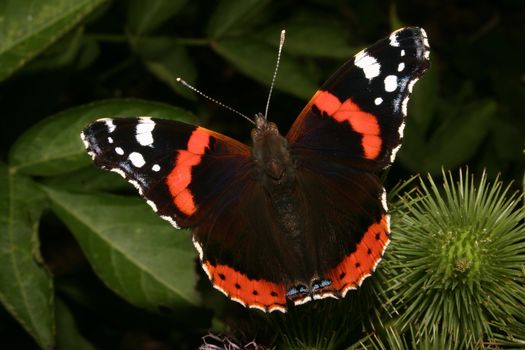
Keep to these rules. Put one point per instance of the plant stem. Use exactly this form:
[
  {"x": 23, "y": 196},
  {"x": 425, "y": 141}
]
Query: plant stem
[{"x": 120, "y": 38}]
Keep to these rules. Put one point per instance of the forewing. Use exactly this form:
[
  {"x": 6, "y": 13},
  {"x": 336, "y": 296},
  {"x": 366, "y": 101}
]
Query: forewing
[
  {"x": 178, "y": 168},
  {"x": 359, "y": 113}
]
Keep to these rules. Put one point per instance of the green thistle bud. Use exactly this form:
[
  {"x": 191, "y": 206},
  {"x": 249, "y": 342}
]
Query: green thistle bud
[{"x": 456, "y": 259}]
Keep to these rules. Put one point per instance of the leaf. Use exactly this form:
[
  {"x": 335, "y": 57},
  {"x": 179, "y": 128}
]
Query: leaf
[
  {"x": 29, "y": 27},
  {"x": 53, "y": 146},
  {"x": 68, "y": 335},
  {"x": 134, "y": 252},
  {"x": 146, "y": 16},
  {"x": 458, "y": 140},
  {"x": 453, "y": 143},
  {"x": 87, "y": 179},
  {"x": 257, "y": 60},
  {"x": 230, "y": 13},
  {"x": 329, "y": 38},
  {"x": 168, "y": 60},
  {"x": 422, "y": 105},
  {"x": 60, "y": 54},
  {"x": 26, "y": 288}
]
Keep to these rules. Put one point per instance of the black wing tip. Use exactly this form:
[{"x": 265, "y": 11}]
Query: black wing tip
[
  {"x": 94, "y": 132},
  {"x": 412, "y": 36}
]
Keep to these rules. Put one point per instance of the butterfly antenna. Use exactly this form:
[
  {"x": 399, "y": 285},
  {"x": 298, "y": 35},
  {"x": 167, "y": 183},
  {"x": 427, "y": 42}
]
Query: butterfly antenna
[
  {"x": 281, "y": 44},
  {"x": 181, "y": 81}
]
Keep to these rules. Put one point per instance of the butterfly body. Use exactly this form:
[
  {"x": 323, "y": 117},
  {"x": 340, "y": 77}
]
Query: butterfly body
[{"x": 288, "y": 218}]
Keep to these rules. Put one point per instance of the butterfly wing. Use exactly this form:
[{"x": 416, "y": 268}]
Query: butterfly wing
[
  {"x": 351, "y": 127},
  {"x": 200, "y": 179},
  {"x": 358, "y": 115},
  {"x": 176, "y": 167}
]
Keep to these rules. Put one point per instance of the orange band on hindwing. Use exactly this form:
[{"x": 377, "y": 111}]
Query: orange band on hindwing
[
  {"x": 259, "y": 294},
  {"x": 358, "y": 265}
]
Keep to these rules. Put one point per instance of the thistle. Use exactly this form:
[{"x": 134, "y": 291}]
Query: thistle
[{"x": 457, "y": 259}]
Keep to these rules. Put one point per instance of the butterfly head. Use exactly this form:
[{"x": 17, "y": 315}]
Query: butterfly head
[{"x": 270, "y": 151}]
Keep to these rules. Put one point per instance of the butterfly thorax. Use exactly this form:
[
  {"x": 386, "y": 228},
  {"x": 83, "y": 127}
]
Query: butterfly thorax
[
  {"x": 271, "y": 155},
  {"x": 276, "y": 171}
]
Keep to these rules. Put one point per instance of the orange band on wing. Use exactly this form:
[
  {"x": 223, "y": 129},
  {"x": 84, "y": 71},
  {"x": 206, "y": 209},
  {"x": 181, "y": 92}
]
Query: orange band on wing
[
  {"x": 358, "y": 265},
  {"x": 180, "y": 177},
  {"x": 326, "y": 102},
  {"x": 362, "y": 122},
  {"x": 260, "y": 294}
]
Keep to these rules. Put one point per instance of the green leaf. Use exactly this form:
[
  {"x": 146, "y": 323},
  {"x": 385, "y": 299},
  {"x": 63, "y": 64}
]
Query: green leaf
[
  {"x": 26, "y": 288},
  {"x": 456, "y": 141},
  {"x": 60, "y": 54},
  {"x": 29, "y": 27},
  {"x": 453, "y": 143},
  {"x": 89, "y": 52},
  {"x": 257, "y": 60},
  {"x": 53, "y": 146},
  {"x": 230, "y": 13},
  {"x": 422, "y": 105},
  {"x": 329, "y": 38},
  {"x": 137, "y": 254},
  {"x": 87, "y": 179},
  {"x": 68, "y": 335},
  {"x": 146, "y": 16},
  {"x": 168, "y": 60}
]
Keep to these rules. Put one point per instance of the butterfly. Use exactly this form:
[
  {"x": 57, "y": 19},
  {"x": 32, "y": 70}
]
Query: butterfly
[{"x": 290, "y": 218}]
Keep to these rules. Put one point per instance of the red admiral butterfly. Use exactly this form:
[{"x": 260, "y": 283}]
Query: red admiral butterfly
[{"x": 294, "y": 218}]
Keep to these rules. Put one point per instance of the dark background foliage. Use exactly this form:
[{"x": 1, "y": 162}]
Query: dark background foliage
[{"x": 467, "y": 110}]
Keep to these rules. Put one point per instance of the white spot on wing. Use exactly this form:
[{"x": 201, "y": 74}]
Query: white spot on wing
[
  {"x": 363, "y": 279},
  {"x": 411, "y": 84},
  {"x": 368, "y": 64},
  {"x": 118, "y": 171},
  {"x": 400, "y": 67},
  {"x": 375, "y": 264},
  {"x": 404, "y": 106},
  {"x": 152, "y": 205},
  {"x": 155, "y": 167},
  {"x": 303, "y": 300},
  {"x": 324, "y": 296},
  {"x": 427, "y": 54},
  {"x": 136, "y": 159},
  {"x": 136, "y": 185},
  {"x": 205, "y": 268},
  {"x": 238, "y": 300},
  {"x": 277, "y": 308},
  {"x": 119, "y": 151},
  {"x": 258, "y": 307},
  {"x": 378, "y": 101},
  {"x": 110, "y": 140},
  {"x": 84, "y": 141},
  {"x": 391, "y": 83},
  {"x": 402, "y": 53},
  {"x": 170, "y": 220},
  {"x": 87, "y": 146},
  {"x": 221, "y": 290},
  {"x": 401, "y": 130},
  {"x": 348, "y": 288},
  {"x": 393, "y": 39},
  {"x": 425, "y": 38},
  {"x": 393, "y": 154},
  {"x": 143, "y": 131},
  {"x": 109, "y": 124},
  {"x": 198, "y": 247},
  {"x": 383, "y": 200}
]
